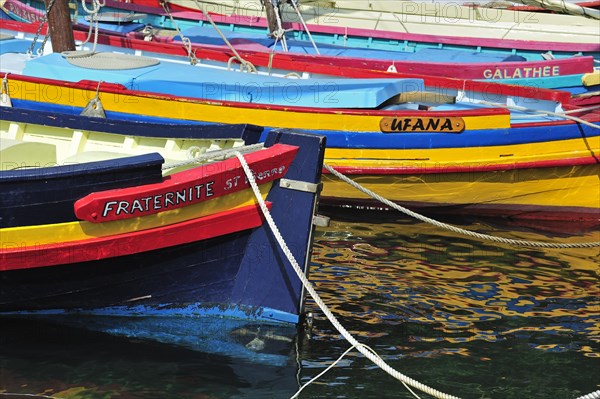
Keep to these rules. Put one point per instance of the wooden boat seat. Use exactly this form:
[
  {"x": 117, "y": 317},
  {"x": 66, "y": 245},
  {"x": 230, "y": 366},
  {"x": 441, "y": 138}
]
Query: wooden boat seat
[{"x": 16, "y": 154}]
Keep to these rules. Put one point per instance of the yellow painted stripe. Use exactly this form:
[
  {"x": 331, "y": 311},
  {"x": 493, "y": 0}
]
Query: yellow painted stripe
[
  {"x": 472, "y": 156},
  {"x": 160, "y": 106},
  {"x": 567, "y": 186},
  {"x": 81, "y": 230}
]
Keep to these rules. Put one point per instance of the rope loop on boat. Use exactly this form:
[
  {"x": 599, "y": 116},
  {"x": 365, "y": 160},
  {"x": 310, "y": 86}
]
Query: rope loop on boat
[
  {"x": 248, "y": 65},
  {"x": 368, "y": 353},
  {"x": 393, "y": 205},
  {"x": 278, "y": 34},
  {"x": 244, "y": 66},
  {"x": 187, "y": 44},
  {"x": 94, "y": 18}
]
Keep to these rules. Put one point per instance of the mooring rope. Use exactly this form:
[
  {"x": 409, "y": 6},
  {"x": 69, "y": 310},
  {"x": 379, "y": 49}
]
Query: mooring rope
[
  {"x": 455, "y": 229},
  {"x": 592, "y": 395},
  {"x": 211, "y": 155},
  {"x": 367, "y": 352},
  {"x": 572, "y": 111},
  {"x": 563, "y": 115}
]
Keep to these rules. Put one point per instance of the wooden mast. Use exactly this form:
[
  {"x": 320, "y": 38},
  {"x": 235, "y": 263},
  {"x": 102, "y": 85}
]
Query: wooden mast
[
  {"x": 271, "y": 18},
  {"x": 59, "y": 26}
]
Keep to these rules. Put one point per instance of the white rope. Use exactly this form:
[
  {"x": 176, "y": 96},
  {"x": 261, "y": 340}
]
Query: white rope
[
  {"x": 586, "y": 109},
  {"x": 93, "y": 12},
  {"x": 322, "y": 373},
  {"x": 455, "y": 229},
  {"x": 310, "y": 289},
  {"x": 271, "y": 58},
  {"x": 592, "y": 395},
  {"x": 572, "y": 111},
  {"x": 280, "y": 32},
  {"x": 295, "y": 5},
  {"x": 212, "y": 155},
  {"x": 539, "y": 111}
]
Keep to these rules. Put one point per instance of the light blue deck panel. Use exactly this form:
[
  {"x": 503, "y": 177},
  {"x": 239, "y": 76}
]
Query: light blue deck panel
[{"x": 214, "y": 84}]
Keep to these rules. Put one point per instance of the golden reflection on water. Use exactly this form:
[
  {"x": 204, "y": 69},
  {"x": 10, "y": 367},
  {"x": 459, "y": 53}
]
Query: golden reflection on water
[{"x": 460, "y": 289}]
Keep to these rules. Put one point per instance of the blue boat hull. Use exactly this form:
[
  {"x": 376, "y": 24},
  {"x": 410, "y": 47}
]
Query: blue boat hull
[{"x": 242, "y": 275}]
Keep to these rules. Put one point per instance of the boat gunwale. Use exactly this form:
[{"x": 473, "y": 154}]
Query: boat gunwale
[
  {"x": 363, "y": 32},
  {"x": 92, "y": 86}
]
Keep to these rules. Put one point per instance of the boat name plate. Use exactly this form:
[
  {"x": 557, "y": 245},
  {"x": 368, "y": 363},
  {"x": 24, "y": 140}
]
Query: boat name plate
[{"x": 451, "y": 124}]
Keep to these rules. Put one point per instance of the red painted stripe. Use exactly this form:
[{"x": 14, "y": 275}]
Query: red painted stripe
[
  {"x": 131, "y": 243},
  {"x": 348, "y": 170},
  {"x": 186, "y": 188}
]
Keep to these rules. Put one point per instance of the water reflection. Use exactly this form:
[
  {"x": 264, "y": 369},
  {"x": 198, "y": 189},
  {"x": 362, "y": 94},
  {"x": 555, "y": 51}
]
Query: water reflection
[
  {"x": 418, "y": 291},
  {"x": 64, "y": 362}
]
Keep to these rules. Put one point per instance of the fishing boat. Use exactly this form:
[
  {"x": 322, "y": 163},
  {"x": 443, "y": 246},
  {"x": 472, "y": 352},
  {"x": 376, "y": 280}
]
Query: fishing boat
[
  {"x": 360, "y": 37},
  {"x": 420, "y": 18},
  {"x": 566, "y": 73},
  {"x": 561, "y": 6},
  {"x": 561, "y": 72},
  {"x": 338, "y": 34},
  {"x": 143, "y": 228},
  {"x": 473, "y": 147}
]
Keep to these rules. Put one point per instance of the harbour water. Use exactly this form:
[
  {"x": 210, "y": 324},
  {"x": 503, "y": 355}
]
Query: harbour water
[{"x": 470, "y": 318}]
